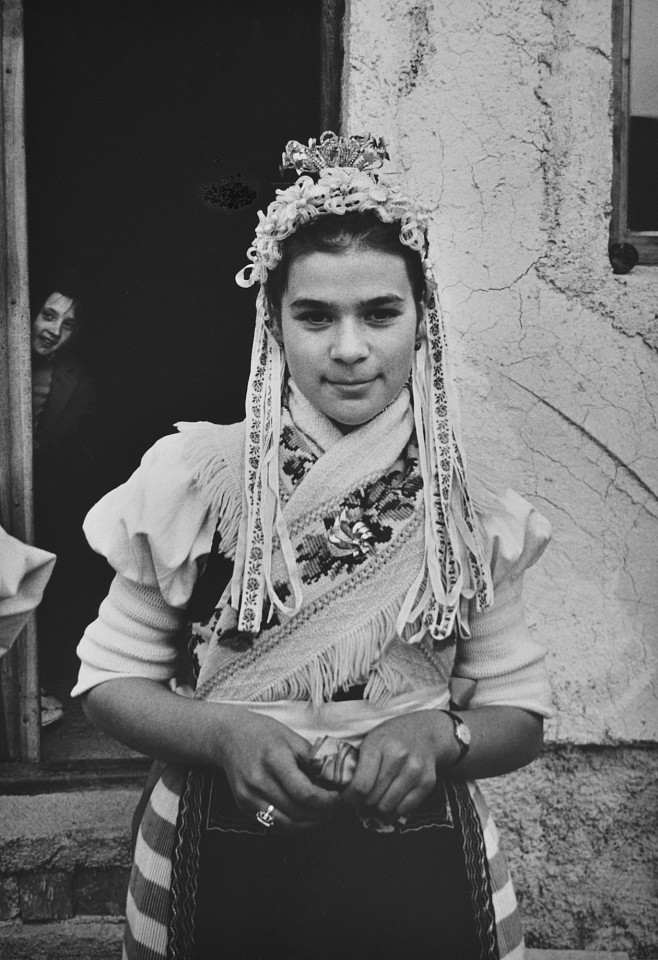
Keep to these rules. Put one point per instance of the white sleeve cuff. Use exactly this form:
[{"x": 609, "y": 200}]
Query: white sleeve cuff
[
  {"x": 136, "y": 634},
  {"x": 502, "y": 659}
]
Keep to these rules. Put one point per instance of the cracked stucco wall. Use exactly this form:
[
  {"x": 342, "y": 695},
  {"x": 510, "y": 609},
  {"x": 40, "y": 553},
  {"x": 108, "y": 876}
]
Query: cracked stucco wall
[{"x": 498, "y": 113}]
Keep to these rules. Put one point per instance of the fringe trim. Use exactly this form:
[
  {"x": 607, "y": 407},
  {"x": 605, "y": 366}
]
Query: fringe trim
[
  {"x": 385, "y": 682},
  {"x": 356, "y": 658},
  {"x": 215, "y": 478}
]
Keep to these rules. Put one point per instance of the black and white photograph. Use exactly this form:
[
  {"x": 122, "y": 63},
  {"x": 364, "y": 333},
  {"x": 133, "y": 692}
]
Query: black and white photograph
[{"x": 328, "y": 480}]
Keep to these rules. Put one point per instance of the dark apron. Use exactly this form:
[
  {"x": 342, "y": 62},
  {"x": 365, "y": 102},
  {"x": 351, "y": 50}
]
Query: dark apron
[{"x": 352, "y": 888}]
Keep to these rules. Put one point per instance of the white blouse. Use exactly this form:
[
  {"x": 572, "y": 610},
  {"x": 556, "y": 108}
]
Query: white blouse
[{"x": 156, "y": 531}]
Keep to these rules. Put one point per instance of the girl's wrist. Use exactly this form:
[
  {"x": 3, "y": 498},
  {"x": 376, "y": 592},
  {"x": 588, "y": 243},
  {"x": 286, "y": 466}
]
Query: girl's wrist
[
  {"x": 461, "y": 733},
  {"x": 454, "y": 739}
]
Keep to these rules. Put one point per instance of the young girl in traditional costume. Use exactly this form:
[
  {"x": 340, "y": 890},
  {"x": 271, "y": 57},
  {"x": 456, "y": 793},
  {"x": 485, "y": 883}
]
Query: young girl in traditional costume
[{"x": 355, "y": 631}]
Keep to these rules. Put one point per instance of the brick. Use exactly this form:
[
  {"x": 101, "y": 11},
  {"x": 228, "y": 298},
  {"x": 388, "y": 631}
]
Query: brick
[
  {"x": 45, "y": 896},
  {"x": 575, "y": 955},
  {"x": 9, "y": 901},
  {"x": 100, "y": 892}
]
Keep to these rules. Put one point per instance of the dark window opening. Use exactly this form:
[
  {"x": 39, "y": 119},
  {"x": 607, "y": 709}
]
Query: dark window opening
[
  {"x": 634, "y": 223},
  {"x": 642, "y": 174}
]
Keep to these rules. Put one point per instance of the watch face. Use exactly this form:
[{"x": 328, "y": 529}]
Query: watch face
[{"x": 463, "y": 733}]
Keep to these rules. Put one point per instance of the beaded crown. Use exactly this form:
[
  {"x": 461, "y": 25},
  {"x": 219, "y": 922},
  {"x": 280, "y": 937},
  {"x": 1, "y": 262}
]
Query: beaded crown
[
  {"x": 337, "y": 175},
  {"x": 362, "y": 152}
]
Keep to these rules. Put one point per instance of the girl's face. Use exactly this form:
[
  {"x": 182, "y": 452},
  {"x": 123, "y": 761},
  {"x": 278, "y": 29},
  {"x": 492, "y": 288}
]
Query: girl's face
[
  {"x": 349, "y": 323},
  {"x": 54, "y": 326}
]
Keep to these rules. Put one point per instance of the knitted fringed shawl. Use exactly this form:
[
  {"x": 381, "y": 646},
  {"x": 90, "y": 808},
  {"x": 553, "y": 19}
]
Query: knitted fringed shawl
[{"x": 355, "y": 517}]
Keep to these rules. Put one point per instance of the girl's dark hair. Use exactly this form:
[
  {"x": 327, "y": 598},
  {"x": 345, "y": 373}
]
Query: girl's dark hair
[
  {"x": 336, "y": 233},
  {"x": 67, "y": 282}
]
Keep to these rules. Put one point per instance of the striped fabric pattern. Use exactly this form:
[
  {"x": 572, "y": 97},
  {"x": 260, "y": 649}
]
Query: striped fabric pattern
[
  {"x": 509, "y": 932},
  {"x": 148, "y": 904}
]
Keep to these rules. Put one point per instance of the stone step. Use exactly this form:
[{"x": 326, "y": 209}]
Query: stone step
[
  {"x": 575, "y": 955},
  {"x": 77, "y": 939},
  {"x": 82, "y": 938}
]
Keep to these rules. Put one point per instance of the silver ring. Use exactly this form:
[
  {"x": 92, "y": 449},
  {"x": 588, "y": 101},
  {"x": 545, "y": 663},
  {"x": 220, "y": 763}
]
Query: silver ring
[{"x": 265, "y": 817}]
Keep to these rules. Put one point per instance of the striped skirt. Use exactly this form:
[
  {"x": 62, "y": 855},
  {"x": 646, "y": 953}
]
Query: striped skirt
[{"x": 209, "y": 884}]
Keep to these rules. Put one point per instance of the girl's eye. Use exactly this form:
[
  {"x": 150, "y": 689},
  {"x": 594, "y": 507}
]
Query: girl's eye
[
  {"x": 314, "y": 319},
  {"x": 382, "y": 315}
]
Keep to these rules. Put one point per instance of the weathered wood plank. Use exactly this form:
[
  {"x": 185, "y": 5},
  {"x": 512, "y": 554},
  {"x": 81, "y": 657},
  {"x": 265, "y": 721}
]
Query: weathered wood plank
[
  {"x": 331, "y": 63},
  {"x": 20, "y": 688},
  {"x": 36, "y": 778}
]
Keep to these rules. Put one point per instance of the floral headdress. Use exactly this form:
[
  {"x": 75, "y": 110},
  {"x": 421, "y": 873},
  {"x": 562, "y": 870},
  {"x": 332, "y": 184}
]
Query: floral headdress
[{"x": 344, "y": 181}]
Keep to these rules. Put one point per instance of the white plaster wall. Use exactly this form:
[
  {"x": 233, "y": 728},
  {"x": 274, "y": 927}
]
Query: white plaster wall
[{"x": 498, "y": 112}]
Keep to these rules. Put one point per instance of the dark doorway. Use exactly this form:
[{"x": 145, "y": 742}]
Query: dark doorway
[{"x": 154, "y": 132}]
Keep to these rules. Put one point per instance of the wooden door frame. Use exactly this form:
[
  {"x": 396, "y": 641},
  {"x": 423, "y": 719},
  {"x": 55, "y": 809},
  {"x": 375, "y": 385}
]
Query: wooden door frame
[
  {"x": 19, "y": 680},
  {"x": 19, "y": 686},
  {"x": 331, "y": 63}
]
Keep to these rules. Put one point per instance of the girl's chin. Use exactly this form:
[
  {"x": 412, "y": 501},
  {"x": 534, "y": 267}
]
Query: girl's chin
[{"x": 350, "y": 420}]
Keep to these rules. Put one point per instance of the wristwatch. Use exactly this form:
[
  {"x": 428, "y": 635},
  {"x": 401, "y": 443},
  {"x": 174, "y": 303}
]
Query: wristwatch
[{"x": 462, "y": 734}]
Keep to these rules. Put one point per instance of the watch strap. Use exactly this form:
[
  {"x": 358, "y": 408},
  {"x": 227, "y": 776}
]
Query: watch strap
[{"x": 462, "y": 735}]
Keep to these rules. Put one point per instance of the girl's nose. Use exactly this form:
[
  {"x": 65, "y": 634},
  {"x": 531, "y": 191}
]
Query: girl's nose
[
  {"x": 56, "y": 327},
  {"x": 349, "y": 344}
]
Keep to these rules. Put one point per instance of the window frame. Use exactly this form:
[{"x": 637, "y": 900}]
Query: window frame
[
  {"x": 19, "y": 681},
  {"x": 645, "y": 243}
]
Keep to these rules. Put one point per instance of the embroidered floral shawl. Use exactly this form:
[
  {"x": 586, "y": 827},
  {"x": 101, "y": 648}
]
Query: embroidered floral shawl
[{"x": 355, "y": 515}]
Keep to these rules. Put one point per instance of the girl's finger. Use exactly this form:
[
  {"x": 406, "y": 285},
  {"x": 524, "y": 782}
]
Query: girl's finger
[
  {"x": 274, "y": 819},
  {"x": 289, "y": 790},
  {"x": 267, "y": 792},
  {"x": 364, "y": 779},
  {"x": 401, "y": 797},
  {"x": 288, "y": 767},
  {"x": 412, "y": 801}
]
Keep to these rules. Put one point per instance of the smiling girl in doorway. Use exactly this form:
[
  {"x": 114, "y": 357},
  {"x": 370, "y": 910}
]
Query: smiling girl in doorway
[{"x": 355, "y": 641}]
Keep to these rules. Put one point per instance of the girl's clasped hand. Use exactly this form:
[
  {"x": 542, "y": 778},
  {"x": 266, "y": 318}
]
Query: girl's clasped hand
[{"x": 396, "y": 768}]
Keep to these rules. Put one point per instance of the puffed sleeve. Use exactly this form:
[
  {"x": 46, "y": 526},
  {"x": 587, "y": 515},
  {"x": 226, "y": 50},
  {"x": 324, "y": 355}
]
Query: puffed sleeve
[
  {"x": 155, "y": 530},
  {"x": 24, "y": 573},
  {"x": 156, "y": 527},
  {"x": 502, "y": 662}
]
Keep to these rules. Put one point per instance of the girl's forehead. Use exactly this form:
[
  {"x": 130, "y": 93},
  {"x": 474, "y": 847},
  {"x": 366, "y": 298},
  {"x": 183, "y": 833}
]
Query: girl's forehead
[
  {"x": 60, "y": 304},
  {"x": 374, "y": 271}
]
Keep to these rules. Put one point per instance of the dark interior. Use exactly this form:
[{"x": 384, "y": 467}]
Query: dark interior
[
  {"x": 154, "y": 133},
  {"x": 642, "y": 179}
]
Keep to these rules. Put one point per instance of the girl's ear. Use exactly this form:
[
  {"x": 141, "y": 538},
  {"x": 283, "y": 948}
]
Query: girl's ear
[{"x": 274, "y": 327}]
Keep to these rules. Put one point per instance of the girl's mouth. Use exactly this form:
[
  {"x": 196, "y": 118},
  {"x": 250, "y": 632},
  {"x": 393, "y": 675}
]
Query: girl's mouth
[{"x": 352, "y": 383}]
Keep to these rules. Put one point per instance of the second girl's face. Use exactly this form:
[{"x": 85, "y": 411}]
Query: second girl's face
[
  {"x": 54, "y": 326},
  {"x": 349, "y": 324}
]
